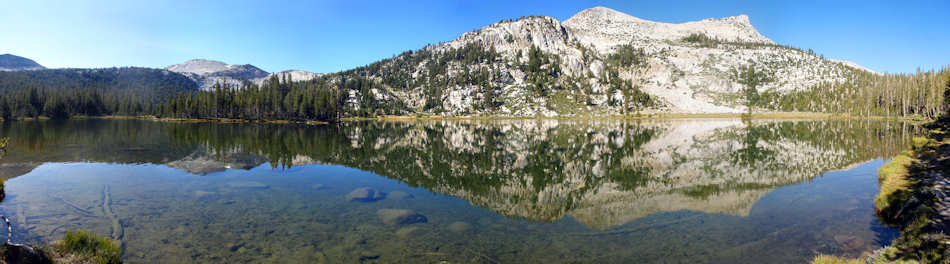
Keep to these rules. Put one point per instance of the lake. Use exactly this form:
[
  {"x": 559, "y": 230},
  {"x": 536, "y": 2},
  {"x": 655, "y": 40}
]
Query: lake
[{"x": 512, "y": 191}]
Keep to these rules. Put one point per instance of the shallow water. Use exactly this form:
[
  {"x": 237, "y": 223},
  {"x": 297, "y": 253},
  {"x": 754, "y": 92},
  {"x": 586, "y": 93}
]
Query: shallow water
[{"x": 528, "y": 191}]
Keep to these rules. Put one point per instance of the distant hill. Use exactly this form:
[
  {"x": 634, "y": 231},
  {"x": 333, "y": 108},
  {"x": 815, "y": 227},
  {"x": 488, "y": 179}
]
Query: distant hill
[
  {"x": 10, "y": 62},
  {"x": 207, "y": 73},
  {"x": 153, "y": 85}
]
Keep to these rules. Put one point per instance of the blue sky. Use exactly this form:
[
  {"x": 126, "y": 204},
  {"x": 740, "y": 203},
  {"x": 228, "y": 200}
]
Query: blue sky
[{"x": 327, "y": 36}]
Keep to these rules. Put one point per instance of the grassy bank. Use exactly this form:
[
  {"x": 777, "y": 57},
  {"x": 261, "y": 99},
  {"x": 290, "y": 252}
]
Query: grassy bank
[{"x": 914, "y": 197}]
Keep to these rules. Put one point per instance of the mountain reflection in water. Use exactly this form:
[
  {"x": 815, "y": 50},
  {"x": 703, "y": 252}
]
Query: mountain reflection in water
[{"x": 602, "y": 173}]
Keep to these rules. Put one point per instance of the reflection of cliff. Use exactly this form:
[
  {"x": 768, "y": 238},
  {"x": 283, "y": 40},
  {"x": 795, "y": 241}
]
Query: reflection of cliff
[
  {"x": 601, "y": 172},
  {"x": 606, "y": 173},
  {"x": 203, "y": 162}
]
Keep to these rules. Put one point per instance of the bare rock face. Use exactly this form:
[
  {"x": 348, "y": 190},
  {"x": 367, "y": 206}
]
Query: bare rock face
[
  {"x": 365, "y": 195},
  {"x": 400, "y": 216}
]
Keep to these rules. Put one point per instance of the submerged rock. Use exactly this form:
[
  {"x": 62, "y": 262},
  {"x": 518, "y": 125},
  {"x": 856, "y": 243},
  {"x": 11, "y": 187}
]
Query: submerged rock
[
  {"x": 365, "y": 194},
  {"x": 459, "y": 227},
  {"x": 203, "y": 194},
  {"x": 397, "y": 195},
  {"x": 849, "y": 243},
  {"x": 400, "y": 216},
  {"x": 248, "y": 185},
  {"x": 368, "y": 255},
  {"x": 319, "y": 187},
  {"x": 407, "y": 232}
]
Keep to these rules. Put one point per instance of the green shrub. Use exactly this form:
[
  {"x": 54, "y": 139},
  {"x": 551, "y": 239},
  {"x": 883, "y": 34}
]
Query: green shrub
[
  {"x": 91, "y": 246},
  {"x": 702, "y": 39}
]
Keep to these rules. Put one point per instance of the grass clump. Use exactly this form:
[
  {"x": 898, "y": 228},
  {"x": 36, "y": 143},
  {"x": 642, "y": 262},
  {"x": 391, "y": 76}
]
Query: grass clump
[
  {"x": 3, "y": 142},
  {"x": 90, "y": 247},
  {"x": 829, "y": 259}
]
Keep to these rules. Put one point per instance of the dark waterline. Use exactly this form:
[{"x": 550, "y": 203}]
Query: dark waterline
[{"x": 719, "y": 191}]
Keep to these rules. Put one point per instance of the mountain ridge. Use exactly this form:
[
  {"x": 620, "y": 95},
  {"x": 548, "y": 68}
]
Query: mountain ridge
[{"x": 598, "y": 62}]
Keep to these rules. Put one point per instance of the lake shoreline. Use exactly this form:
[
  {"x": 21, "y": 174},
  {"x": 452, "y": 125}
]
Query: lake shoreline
[{"x": 651, "y": 116}]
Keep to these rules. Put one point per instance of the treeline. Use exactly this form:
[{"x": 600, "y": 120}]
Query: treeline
[
  {"x": 144, "y": 84},
  {"x": 869, "y": 94},
  {"x": 322, "y": 99},
  {"x": 62, "y": 93},
  {"x": 60, "y": 104}
]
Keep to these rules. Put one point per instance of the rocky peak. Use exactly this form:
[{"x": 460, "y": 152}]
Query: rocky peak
[
  {"x": 603, "y": 14},
  {"x": 742, "y": 19},
  {"x": 605, "y": 28},
  {"x": 734, "y": 28}
]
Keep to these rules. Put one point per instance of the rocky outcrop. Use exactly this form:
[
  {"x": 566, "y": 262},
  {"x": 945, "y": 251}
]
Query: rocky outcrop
[{"x": 290, "y": 75}]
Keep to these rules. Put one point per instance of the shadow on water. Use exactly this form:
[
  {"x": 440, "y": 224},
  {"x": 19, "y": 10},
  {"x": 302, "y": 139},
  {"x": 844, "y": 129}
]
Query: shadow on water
[{"x": 554, "y": 191}]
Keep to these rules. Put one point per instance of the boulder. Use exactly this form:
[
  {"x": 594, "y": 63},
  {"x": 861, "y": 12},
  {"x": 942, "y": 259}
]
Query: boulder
[
  {"x": 400, "y": 216},
  {"x": 849, "y": 243},
  {"x": 407, "y": 232},
  {"x": 248, "y": 185},
  {"x": 15, "y": 253},
  {"x": 365, "y": 194},
  {"x": 397, "y": 195},
  {"x": 459, "y": 227}
]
